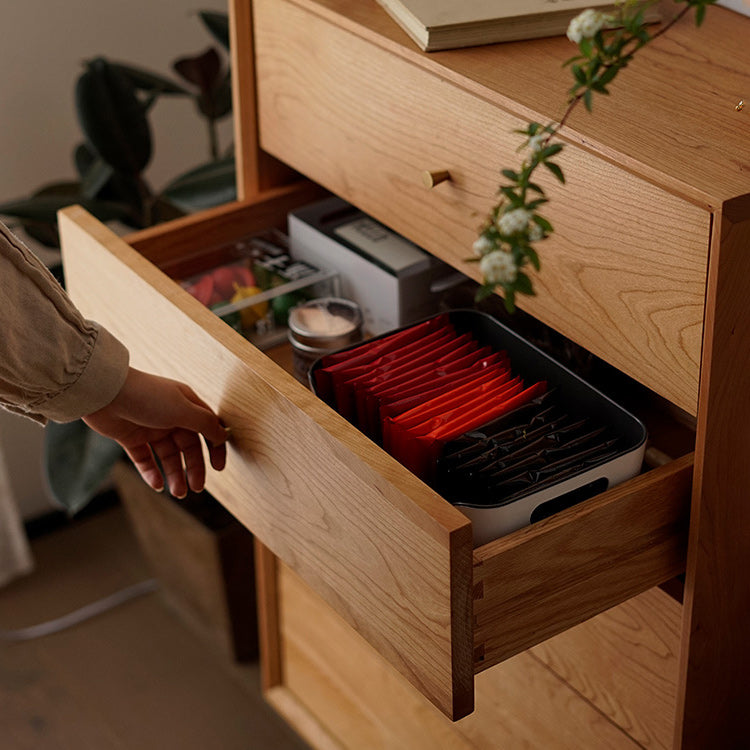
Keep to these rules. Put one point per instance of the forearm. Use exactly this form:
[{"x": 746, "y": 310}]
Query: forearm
[{"x": 53, "y": 363}]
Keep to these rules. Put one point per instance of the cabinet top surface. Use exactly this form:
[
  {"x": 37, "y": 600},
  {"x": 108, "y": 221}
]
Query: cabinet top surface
[{"x": 671, "y": 117}]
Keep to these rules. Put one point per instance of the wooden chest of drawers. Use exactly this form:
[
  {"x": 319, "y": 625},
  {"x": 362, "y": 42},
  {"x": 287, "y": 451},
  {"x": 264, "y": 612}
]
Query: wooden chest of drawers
[{"x": 646, "y": 269}]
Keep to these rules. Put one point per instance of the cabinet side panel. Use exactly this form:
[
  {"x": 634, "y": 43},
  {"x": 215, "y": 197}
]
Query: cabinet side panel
[
  {"x": 256, "y": 170},
  {"x": 716, "y": 653}
]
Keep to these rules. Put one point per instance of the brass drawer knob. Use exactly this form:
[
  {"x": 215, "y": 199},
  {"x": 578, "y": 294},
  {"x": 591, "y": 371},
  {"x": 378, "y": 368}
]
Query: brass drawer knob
[{"x": 432, "y": 178}]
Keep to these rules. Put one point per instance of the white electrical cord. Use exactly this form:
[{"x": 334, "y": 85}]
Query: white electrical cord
[{"x": 80, "y": 615}]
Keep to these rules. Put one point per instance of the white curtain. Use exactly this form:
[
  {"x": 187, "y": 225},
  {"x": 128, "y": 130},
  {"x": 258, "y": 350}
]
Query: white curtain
[{"x": 15, "y": 556}]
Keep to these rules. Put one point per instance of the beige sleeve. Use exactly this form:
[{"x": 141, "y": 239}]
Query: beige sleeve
[{"x": 53, "y": 363}]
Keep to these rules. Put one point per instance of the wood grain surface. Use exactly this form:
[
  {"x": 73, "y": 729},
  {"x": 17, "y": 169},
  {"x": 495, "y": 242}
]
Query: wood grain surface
[
  {"x": 333, "y": 675},
  {"x": 671, "y": 116},
  {"x": 391, "y": 555},
  {"x": 624, "y": 272},
  {"x": 715, "y": 660},
  {"x": 539, "y": 581}
]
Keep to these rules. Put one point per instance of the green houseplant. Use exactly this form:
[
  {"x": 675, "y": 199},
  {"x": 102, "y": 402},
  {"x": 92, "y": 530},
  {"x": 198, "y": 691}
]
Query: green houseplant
[{"x": 113, "y": 103}]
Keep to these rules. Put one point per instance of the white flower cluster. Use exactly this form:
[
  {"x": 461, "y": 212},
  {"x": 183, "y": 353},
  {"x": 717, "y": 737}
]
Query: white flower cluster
[
  {"x": 586, "y": 25},
  {"x": 536, "y": 233},
  {"x": 513, "y": 221},
  {"x": 482, "y": 245},
  {"x": 498, "y": 267},
  {"x": 536, "y": 142}
]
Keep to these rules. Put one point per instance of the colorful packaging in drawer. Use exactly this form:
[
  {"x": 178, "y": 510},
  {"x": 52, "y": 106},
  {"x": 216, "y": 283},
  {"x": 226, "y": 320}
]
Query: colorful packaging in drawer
[
  {"x": 253, "y": 282},
  {"x": 492, "y": 423}
]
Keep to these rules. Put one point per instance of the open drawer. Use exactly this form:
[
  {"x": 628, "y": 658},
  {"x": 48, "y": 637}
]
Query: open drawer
[{"x": 384, "y": 550}]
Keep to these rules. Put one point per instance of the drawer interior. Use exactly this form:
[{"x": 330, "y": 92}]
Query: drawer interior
[{"x": 378, "y": 545}]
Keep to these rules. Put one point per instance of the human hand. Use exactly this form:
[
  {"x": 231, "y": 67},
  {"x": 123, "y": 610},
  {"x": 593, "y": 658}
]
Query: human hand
[{"x": 154, "y": 416}]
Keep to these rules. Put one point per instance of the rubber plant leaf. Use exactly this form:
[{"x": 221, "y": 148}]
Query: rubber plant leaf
[
  {"x": 203, "y": 70},
  {"x": 145, "y": 80},
  {"x": 218, "y": 103},
  {"x": 206, "y": 186},
  {"x": 77, "y": 462},
  {"x": 96, "y": 177},
  {"x": 112, "y": 117},
  {"x": 44, "y": 207},
  {"x": 83, "y": 158},
  {"x": 217, "y": 25}
]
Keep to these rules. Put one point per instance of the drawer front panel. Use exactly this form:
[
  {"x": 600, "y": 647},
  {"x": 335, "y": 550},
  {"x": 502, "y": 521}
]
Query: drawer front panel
[
  {"x": 554, "y": 574},
  {"x": 624, "y": 272},
  {"x": 387, "y": 553}
]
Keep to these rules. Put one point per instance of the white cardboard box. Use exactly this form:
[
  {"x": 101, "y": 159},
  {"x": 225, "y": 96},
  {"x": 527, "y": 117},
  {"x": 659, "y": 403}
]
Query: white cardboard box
[{"x": 390, "y": 278}]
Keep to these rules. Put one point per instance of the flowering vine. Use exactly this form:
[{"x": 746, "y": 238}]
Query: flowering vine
[{"x": 505, "y": 247}]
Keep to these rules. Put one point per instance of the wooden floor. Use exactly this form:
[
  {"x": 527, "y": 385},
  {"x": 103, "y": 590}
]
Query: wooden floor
[{"x": 134, "y": 678}]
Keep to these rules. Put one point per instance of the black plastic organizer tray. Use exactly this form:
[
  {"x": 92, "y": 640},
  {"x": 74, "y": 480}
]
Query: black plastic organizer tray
[{"x": 561, "y": 447}]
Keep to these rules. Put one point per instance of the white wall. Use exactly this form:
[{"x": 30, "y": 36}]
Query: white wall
[{"x": 43, "y": 46}]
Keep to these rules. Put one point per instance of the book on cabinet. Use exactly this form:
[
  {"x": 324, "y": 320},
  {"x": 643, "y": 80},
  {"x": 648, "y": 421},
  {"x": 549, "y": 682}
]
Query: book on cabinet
[{"x": 448, "y": 24}]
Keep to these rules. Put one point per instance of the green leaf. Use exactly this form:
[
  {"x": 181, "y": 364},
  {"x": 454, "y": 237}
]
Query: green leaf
[
  {"x": 571, "y": 60},
  {"x": 587, "y": 99},
  {"x": 217, "y": 25},
  {"x": 83, "y": 158},
  {"x": 608, "y": 75},
  {"x": 205, "y": 186},
  {"x": 551, "y": 150},
  {"x": 533, "y": 256},
  {"x": 484, "y": 292},
  {"x": 510, "y": 300},
  {"x": 145, "y": 80},
  {"x": 44, "y": 207},
  {"x": 510, "y": 175},
  {"x": 533, "y": 186},
  {"x": 700, "y": 14},
  {"x": 95, "y": 178},
  {"x": 523, "y": 284},
  {"x": 217, "y": 103},
  {"x": 533, "y": 205},
  {"x": 555, "y": 169},
  {"x": 579, "y": 74},
  {"x": 77, "y": 462},
  {"x": 542, "y": 222},
  {"x": 203, "y": 70},
  {"x": 38, "y": 212},
  {"x": 112, "y": 118}
]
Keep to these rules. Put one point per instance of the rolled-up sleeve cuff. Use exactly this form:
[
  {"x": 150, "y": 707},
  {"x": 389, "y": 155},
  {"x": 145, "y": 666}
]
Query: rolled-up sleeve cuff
[{"x": 99, "y": 382}]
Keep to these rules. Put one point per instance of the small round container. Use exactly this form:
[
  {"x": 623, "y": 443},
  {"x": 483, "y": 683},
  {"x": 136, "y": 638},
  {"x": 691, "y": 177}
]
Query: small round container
[{"x": 321, "y": 326}]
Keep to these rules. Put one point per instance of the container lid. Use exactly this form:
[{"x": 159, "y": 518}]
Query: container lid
[{"x": 327, "y": 322}]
